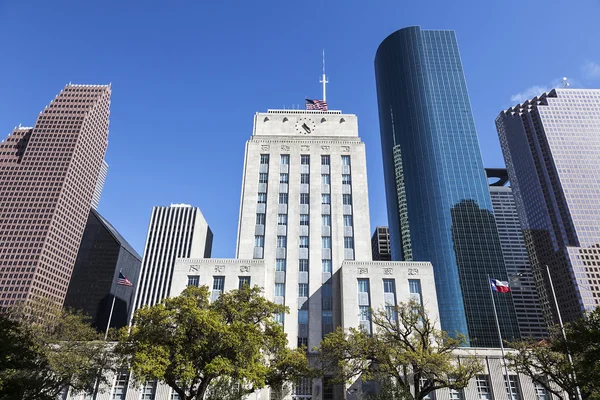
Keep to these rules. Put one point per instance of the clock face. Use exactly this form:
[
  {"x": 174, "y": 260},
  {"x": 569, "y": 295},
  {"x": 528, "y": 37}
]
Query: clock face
[{"x": 305, "y": 126}]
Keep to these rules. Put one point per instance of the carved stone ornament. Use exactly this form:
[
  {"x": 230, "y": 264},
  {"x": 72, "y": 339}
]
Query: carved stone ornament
[
  {"x": 362, "y": 271},
  {"x": 265, "y": 147},
  {"x": 325, "y": 148},
  {"x": 413, "y": 271},
  {"x": 285, "y": 147},
  {"x": 219, "y": 268},
  {"x": 346, "y": 148},
  {"x": 388, "y": 271},
  {"x": 194, "y": 268},
  {"x": 305, "y": 147},
  {"x": 244, "y": 268}
]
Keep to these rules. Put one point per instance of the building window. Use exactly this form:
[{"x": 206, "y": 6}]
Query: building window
[
  {"x": 281, "y": 219},
  {"x": 325, "y": 160},
  {"x": 283, "y": 198},
  {"x": 349, "y": 243},
  {"x": 390, "y": 312},
  {"x": 346, "y": 179},
  {"x": 304, "y": 219},
  {"x": 326, "y": 219},
  {"x": 483, "y": 387},
  {"x": 347, "y": 220},
  {"x": 326, "y": 265},
  {"x": 388, "y": 286},
  {"x": 243, "y": 281},
  {"x": 325, "y": 179},
  {"x": 279, "y": 317},
  {"x": 327, "y": 389},
  {"x": 304, "y": 242},
  {"x": 259, "y": 241},
  {"x": 304, "y": 198},
  {"x": 540, "y": 391},
  {"x": 326, "y": 242},
  {"x": 263, "y": 177},
  {"x": 456, "y": 394},
  {"x": 149, "y": 390},
  {"x": 175, "y": 395},
  {"x": 346, "y": 160},
  {"x": 303, "y": 389},
  {"x": 303, "y": 290},
  {"x": 284, "y": 178},
  {"x": 364, "y": 313},
  {"x": 280, "y": 264},
  {"x": 325, "y": 198},
  {"x": 303, "y": 265},
  {"x": 260, "y": 219},
  {"x": 121, "y": 386},
  {"x": 305, "y": 159},
  {"x": 305, "y": 178},
  {"x": 193, "y": 280},
  {"x": 363, "y": 286},
  {"x": 327, "y": 317},
  {"x": 218, "y": 283},
  {"x": 285, "y": 159},
  {"x": 513, "y": 392},
  {"x": 347, "y": 199},
  {"x": 414, "y": 286},
  {"x": 282, "y": 241},
  {"x": 302, "y": 342},
  {"x": 264, "y": 158},
  {"x": 280, "y": 289},
  {"x": 302, "y": 317},
  {"x": 262, "y": 198}
]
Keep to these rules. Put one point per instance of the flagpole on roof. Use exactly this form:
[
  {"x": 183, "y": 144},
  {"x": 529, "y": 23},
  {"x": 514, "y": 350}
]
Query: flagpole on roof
[
  {"x": 509, "y": 394},
  {"x": 324, "y": 80}
]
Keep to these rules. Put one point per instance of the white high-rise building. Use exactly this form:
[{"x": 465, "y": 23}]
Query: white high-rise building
[
  {"x": 99, "y": 185},
  {"x": 174, "y": 232}
]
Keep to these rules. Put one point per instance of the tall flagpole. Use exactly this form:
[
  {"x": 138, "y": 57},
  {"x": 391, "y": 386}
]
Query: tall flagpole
[
  {"x": 509, "y": 394},
  {"x": 112, "y": 307},
  {"x": 324, "y": 80},
  {"x": 562, "y": 328}
]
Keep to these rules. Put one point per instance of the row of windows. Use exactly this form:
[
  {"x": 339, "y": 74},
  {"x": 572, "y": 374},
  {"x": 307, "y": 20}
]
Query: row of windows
[
  {"x": 305, "y": 198},
  {"x": 304, "y": 159},
  {"x": 218, "y": 282}
]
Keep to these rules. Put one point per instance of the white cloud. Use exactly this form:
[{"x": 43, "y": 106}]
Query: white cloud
[
  {"x": 591, "y": 70},
  {"x": 528, "y": 93}
]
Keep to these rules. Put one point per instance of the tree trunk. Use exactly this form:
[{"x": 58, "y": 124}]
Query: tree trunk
[{"x": 202, "y": 388}]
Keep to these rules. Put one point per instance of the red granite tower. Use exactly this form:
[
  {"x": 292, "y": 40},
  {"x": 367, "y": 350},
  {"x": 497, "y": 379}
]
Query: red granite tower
[{"x": 48, "y": 174}]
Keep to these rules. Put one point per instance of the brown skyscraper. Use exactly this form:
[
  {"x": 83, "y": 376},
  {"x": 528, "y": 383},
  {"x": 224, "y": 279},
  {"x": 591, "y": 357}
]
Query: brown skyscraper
[{"x": 48, "y": 174}]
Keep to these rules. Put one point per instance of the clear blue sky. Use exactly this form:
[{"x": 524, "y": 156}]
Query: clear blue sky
[{"x": 188, "y": 76}]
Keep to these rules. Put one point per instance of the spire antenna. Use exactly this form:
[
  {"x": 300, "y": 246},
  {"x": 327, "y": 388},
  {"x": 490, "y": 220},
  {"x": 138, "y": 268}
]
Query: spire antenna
[{"x": 324, "y": 80}]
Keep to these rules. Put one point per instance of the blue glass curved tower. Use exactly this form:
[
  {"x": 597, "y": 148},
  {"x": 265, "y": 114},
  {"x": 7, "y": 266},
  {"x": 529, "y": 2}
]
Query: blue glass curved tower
[{"x": 439, "y": 206}]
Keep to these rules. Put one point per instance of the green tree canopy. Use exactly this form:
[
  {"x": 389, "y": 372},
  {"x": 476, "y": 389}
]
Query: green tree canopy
[
  {"x": 547, "y": 362},
  {"x": 41, "y": 357},
  {"x": 404, "y": 348},
  {"x": 188, "y": 343}
]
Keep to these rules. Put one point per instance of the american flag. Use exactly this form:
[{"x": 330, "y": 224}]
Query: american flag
[
  {"x": 123, "y": 281},
  {"x": 316, "y": 105}
]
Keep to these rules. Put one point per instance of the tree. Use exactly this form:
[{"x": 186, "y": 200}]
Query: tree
[
  {"x": 404, "y": 348},
  {"x": 190, "y": 343},
  {"x": 547, "y": 362},
  {"x": 42, "y": 357}
]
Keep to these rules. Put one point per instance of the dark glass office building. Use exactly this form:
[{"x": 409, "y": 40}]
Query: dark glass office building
[
  {"x": 102, "y": 254},
  {"x": 439, "y": 206}
]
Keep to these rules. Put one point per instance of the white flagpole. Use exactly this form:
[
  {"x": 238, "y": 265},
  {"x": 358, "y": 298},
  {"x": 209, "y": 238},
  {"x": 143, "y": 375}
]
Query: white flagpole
[
  {"x": 509, "y": 394},
  {"x": 562, "y": 328},
  {"x": 110, "y": 316}
]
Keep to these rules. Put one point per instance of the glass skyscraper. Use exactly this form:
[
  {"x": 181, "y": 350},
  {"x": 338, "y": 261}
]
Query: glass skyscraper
[
  {"x": 439, "y": 206},
  {"x": 551, "y": 146}
]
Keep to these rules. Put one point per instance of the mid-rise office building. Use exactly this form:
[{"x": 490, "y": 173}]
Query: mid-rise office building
[
  {"x": 380, "y": 244},
  {"x": 103, "y": 253},
  {"x": 552, "y": 151},
  {"x": 439, "y": 206},
  {"x": 48, "y": 174},
  {"x": 178, "y": 231},
  {"x": 527, "y": 304}
]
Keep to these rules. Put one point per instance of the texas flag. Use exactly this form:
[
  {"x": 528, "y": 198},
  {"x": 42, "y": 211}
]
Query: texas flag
[{"x": 499, "y": 286}]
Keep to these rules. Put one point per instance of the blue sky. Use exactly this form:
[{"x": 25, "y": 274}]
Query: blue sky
[{"x": 188, "y": 76}]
